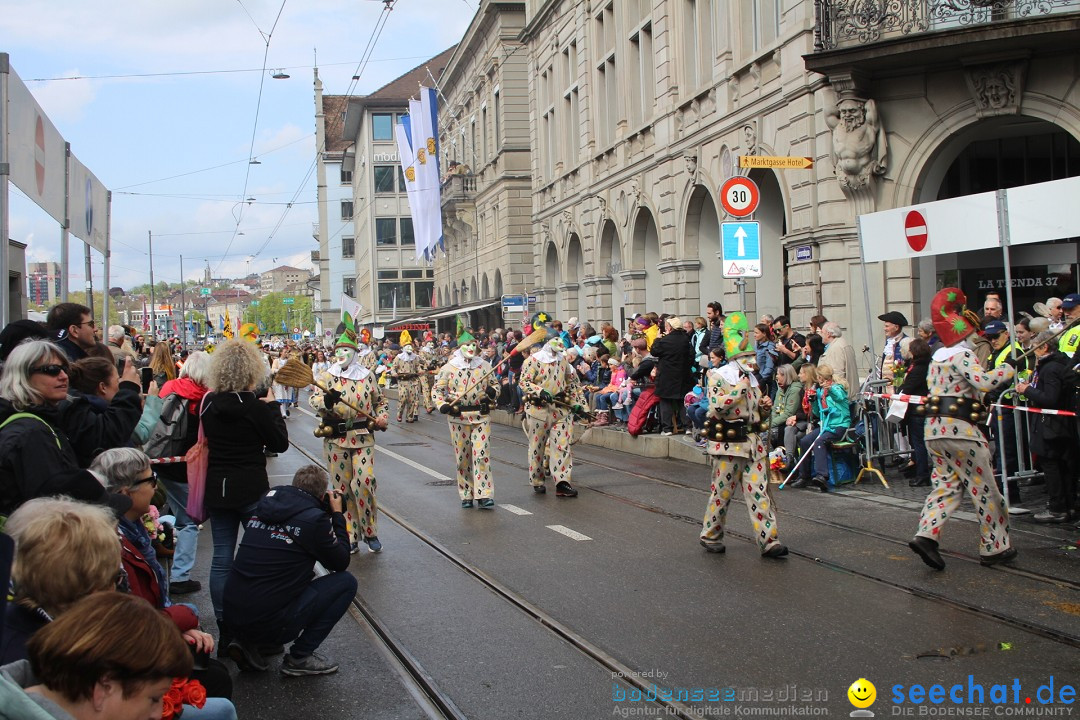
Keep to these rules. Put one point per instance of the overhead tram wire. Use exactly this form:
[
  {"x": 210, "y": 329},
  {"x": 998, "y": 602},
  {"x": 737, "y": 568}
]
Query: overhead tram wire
[
  {"x": 255, "y": 124},
  {"x": 373, "y": 40}
]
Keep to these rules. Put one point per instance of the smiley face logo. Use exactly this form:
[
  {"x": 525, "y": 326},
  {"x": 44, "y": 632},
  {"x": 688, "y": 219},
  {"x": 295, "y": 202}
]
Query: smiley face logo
[{"x": 862, "y": 693}]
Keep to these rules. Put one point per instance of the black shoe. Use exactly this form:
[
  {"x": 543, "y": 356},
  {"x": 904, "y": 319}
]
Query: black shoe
[
  {"x": 776, "y": 551},
  {"x": 564, "y": 489},
  {"x": 927, "y": 549},
  {"x": 919, "y": 482},
  {"x": 466, "y": 504},
  {"x": 184, "y": 587},
  {"x": 713, "y": 547},
  {"x": 485, "y": 503},
  {"x": 1002, "y": 557},
  {"x": 271, "y": 650},
  {"x": 539, "y": 489},
  {"x": 908, "y": 470},
  {"x": 247, "y": 657},
  {"x": 798, "y": 483},
  {"x": 819, "y": 483}
]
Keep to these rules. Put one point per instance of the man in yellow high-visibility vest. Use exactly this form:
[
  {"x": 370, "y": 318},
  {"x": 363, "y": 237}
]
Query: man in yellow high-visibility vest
[{"x": 1069, "y": 344}]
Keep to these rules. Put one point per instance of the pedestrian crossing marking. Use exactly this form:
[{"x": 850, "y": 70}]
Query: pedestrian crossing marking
[
  {"x": 572, "y": 534},
  {"x": 412, "y": 463},
  {"x": 515, "y": 509}
]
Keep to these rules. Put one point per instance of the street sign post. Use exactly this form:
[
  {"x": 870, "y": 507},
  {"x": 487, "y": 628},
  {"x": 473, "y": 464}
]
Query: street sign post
[
  {"x": 204, "y": 291},
  {"x": 514, "y": 303},
  {"x": 288, "y": 301},
  {"x": 254, "y": 303},
  {"x": 776, "y": 162},
  {"x": 739, "y": 196},
  {"x": 741, "y": 254}
]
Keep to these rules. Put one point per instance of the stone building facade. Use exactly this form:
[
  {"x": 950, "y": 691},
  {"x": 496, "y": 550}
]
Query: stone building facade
[
  {"x": 639, "y": 110},
  {"x": 487, "y": 193}
]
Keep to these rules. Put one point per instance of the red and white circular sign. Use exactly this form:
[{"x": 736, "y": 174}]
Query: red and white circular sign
[
  {"x": 915, "y": 230},
  {"x": 739, "y": 196}
]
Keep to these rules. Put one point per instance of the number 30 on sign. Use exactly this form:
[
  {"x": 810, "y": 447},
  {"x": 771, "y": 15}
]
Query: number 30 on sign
[{"x": 739, "y": 196}]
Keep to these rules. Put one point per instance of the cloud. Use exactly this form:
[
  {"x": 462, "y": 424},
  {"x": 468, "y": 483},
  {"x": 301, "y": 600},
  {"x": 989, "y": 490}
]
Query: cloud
[{"x": 286, "y": 138}]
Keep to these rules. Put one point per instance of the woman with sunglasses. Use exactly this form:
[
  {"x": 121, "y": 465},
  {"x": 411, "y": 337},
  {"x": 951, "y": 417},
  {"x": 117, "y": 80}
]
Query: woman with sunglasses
[{"x": 36, "y": 457}]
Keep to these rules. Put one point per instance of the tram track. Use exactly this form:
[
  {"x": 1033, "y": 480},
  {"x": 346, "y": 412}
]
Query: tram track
[
  {"x": 420, "y": 683},
  {"x": 1010, "y": 620}
]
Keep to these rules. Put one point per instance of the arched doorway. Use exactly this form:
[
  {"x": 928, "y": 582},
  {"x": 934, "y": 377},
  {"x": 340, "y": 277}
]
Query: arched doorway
[
  {"x": 768, "y": 294},
  {"x": 993, "y": 154},
  {"x": 575, "y": 271},
  {"x": 703, "y": 242},
  {"x": 498, "y": 284},
  {"x": 485, "y": 289},
  {"x": 553, "y": 279},
  {"x": 610, "y": 300},
  {"x": 645, "y": 255}
]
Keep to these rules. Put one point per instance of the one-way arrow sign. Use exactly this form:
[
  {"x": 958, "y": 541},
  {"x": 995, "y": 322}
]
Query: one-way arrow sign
[{"x": 741, "y": 244}]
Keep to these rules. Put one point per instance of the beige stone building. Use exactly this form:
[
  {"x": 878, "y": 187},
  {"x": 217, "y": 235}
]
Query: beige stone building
[
  {"x": 281, "y": 277},
  {"x": 641, "y": 109},
  {"x": 487, "y": 193}
]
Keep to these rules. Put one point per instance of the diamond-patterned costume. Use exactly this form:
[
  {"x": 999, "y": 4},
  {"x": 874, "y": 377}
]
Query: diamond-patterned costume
[
  {"x": 407, "y": 371},
  {"x": 471, "y": 430},
  {"x": 351, "y": 459},
  {"x": 550, "y": 428},
  {"x": 429, "y": 366},
  {"x": 732, "y": 398},
  {"x": 960, "y": 453}
]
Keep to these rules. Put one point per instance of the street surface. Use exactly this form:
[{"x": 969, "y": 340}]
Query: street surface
[{"x": 591, "y": 607}]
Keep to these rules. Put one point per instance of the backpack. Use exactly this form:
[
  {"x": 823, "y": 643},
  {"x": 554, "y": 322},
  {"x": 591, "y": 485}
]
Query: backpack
[{"x": 169, "y": 435}]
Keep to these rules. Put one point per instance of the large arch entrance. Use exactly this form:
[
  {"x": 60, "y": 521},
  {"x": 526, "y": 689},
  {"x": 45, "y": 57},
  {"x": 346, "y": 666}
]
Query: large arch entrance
[
  {"x": 609, "y": 266},
  {"x": 703, "y": 242},
  {"x": 553, "y": 278},
  {"x": 645, "y": 256},
  {"x": 994, "y": 154},
  {"x": 769, "y": 290},
  {"x": 575, "y": 271}
]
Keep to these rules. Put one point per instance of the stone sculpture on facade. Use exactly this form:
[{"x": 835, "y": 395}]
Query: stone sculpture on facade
[{"x": 859, "y": 146}]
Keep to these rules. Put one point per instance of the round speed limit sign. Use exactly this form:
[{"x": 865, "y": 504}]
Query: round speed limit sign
[{"x": 739, "y": 196}]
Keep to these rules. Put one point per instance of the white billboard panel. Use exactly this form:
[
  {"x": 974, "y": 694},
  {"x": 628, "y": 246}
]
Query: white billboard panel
[
  {"x": 933, "y": 228},
  {"x": 1044, "y": 211},
  {"x": 88, "y": 207},
  {"x": 35, "y": 150}
]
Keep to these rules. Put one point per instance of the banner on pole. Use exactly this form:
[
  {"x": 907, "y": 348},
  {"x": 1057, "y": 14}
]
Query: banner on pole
[
  {"x": 88, "y": 207},
  {"x": 945, "y": 226},
  {"x": 36, "y": 152}
]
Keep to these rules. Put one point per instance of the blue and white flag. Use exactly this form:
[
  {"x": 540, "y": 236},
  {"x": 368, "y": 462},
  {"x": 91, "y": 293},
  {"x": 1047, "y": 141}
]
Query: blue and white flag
[
  {"x": 404, "y": 136},
  {"x": 425, "y": 134}
]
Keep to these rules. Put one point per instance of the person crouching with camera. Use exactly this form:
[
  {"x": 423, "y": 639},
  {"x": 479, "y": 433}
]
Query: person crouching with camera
[{"x": 272, "y": 596}]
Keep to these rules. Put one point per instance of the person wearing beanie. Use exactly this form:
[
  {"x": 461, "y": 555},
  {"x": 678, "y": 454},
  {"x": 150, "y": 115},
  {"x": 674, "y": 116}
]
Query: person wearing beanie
[
  {"x": 17, "y": 332},
  {"x": 958, "y": 449}
]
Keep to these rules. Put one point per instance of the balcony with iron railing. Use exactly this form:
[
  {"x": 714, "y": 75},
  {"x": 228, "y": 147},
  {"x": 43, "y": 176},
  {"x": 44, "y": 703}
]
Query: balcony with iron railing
[
  {"x": 873, "y": 35},
  {"x": 847, "y": 23}
]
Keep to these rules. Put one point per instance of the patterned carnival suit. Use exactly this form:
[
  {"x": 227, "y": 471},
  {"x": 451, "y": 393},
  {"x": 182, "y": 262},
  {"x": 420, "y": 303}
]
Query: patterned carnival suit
[
  {"x": 407, "y": 371},
  {"x": 429, "y": 366},
  {"x": 960, "y": 453},
  {"x": 732, "y": 399},
  {"x": 351, "y": 457},
  {"x": 470, "y": 425},
  {"x": 550, "y": 427}
]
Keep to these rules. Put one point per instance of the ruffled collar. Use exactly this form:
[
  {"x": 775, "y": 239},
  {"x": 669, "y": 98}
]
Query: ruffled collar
[
  {"x": 355, "y": 371},
  {"x": 734, "y": 371},
  {"x": 545, "y": 355},
  {"x": 458, "y": 360},
  {"x": 947, "y": 353}
]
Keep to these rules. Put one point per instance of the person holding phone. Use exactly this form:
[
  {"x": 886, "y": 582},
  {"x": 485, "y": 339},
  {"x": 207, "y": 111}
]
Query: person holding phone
[{"x": 272, "y": 596}]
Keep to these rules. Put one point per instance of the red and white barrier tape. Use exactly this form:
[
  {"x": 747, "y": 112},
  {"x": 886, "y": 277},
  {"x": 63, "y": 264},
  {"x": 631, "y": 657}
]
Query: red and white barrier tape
[
  {"x": 921, "y": 400},
  {"x": 167, "y": 460}
]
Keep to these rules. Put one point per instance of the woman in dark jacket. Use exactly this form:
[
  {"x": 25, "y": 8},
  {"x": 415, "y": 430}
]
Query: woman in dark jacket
[
  {"x": 915, "y": 384},
  {"x": 36, "y": 457},
  {"x": 1053, "y": 437},
  {"x": 239, "y": 429},
  {"x": 674, "y": 373}
]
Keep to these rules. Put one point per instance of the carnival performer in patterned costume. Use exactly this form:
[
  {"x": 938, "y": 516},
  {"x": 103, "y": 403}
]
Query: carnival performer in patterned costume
[
  {"x": 406, "y": 368},
  {"x": 464, "y": 394},
  {"x": 553, "y": 397},
  {"x": 349, "y": 444},
  {"x": 958, "y": 448},
  {"x": 735, "y": 444},
  {"x": 429, "y": 366}
]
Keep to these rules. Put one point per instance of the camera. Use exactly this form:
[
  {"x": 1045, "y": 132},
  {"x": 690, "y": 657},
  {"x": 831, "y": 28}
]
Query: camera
[{"x": 332, "y": 494}]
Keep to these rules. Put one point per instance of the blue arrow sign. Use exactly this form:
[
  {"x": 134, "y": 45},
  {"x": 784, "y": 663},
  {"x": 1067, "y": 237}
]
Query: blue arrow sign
[{"x": 741, "y": 245}]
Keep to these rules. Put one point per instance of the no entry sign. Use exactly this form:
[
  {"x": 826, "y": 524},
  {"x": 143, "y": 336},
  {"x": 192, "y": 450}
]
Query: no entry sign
[
  {"x": 915, "y": 230},
  {"x": 739, "y": 196}
]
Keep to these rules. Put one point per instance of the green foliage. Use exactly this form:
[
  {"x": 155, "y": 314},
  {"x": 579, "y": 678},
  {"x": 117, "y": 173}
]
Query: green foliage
[
  {"x": 99, "y": 305},
  {"x": 271, "y": 311}
]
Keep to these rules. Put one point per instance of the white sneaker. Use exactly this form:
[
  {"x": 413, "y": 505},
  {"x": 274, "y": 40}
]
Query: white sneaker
[
  {"x": 666, "y": 433},
  {"x": 617, "y": 406}
]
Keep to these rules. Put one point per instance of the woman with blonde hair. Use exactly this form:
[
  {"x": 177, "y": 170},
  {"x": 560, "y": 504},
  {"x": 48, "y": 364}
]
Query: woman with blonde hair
[
  {"x": 240, "y": 428},
  {"x": 830, "y": 407},
  {"x": 162, "y": 363}
]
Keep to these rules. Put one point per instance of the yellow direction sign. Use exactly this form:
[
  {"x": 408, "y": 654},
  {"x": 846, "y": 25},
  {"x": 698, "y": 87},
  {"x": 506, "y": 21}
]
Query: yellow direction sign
[{"x": 776, "y": 162}]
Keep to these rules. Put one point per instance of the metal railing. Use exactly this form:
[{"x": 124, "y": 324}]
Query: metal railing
[{"x": 848, "y": 23}]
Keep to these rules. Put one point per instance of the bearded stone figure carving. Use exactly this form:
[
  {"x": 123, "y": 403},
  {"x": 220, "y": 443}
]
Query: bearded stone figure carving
[{"x": 859, "y": 146}]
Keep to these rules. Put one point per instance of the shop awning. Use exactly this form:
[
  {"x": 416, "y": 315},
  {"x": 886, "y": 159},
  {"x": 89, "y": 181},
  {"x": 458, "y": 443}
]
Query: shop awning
[{"x": 441, "y": 313}]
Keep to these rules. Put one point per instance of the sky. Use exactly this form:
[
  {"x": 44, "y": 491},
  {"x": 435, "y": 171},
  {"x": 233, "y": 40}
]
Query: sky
[{"x": 170, "y": 132}]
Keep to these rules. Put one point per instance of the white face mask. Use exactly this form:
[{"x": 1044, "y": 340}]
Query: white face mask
[
  {"x": 344, "y": 356},
  {"x": 468, "y": 351}
]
